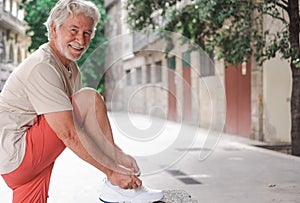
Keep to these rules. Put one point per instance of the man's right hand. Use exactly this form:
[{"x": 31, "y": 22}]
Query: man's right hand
[{"x": 124, "y": 181}]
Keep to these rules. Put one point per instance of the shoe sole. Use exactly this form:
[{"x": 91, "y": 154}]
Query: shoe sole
[{"x": 106, "y": 201}]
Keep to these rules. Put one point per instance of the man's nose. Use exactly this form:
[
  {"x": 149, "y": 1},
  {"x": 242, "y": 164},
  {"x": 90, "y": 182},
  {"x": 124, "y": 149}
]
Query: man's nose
[{"x": 80, "y": 38}]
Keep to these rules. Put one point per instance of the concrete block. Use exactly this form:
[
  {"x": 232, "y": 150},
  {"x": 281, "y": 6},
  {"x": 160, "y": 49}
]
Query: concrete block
[{"x": 176, "y": 196}]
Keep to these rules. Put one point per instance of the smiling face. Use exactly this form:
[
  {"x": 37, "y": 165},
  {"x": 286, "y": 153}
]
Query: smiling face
[{"x": 72, "y": 38}]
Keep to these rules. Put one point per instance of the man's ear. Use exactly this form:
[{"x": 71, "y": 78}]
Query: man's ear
[{"x": 54, "y": 30}]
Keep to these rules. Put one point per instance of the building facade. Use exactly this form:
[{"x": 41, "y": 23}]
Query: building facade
[
  {"x": 13, "y": 40},
  {"x": 189, "y": 86}
]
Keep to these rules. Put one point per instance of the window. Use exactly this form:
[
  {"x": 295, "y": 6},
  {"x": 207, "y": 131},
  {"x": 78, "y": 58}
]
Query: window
[
  {"x": 138, "y": 75},
  {"x": 11, "y": 54},
  {"x": 14, "y": 8},
  {"x": 128, "y": 77},
  {"x": 19, "y": 56},
  {"x": 2, "y": 51},
  {"x": 172, "y": 63},
  {"x": 207, "y": 66},
  {"x": 10, "y": 6},
  {"x": 148, "y": 73},
  {"x": 158, "y": 71},
  {"x": 21, "y": 14},
  {"x": 6, "y": 5},
  {"x": 186, "y": 59}
]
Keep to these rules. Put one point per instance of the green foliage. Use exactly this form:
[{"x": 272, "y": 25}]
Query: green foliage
[
  {"x": 36, "y": 14},
  {"x": 230, "y": 27}
]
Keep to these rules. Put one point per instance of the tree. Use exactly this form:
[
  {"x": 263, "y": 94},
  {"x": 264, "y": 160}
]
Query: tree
[
  {"x": 232, "y": 28},
  {"x": 36, "y": 14}
]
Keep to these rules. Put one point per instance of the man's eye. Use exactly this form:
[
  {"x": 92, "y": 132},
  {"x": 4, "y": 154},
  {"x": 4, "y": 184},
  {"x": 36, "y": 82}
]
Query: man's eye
[
  {"x": 73, "y": 31},
  {"x": 88, "y": 34}
]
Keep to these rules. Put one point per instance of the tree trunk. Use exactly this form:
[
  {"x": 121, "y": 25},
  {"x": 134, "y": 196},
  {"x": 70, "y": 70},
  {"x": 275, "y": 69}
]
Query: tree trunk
[
  {"x": 295, "y": 112},
  {"x": 294, "y": 29}
]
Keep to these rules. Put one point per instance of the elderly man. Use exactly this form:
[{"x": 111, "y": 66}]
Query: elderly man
[{"x": 44, "y": 109}]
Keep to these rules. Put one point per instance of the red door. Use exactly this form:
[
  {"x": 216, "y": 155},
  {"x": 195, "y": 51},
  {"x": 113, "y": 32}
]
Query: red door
[
  {"x": 172, "y": 106},
  {"x": 238, "y": 98},
  {"x": 187, "y": 92}
]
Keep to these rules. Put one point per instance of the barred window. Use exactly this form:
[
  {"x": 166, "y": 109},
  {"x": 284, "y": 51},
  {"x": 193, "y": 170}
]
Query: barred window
[
  {"x": 148, "y": 73},
  {"x": 207, "y": 65},
  {"x": 172, "y": 63},
  {"x": 186, "y": 59},
  {"x": 138, "y": 75},
  {"x": 128, "y": 77},
  {"x": 158, "y": 71}
]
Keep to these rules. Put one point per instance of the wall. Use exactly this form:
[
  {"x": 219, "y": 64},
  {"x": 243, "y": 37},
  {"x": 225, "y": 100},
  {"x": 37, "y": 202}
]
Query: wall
[
  {"x": 276, "y": 92},
  {"x": 276, "y": 100}
]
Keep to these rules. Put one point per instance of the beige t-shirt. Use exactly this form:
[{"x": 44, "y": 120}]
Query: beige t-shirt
[{"x": 41, "y": 84}]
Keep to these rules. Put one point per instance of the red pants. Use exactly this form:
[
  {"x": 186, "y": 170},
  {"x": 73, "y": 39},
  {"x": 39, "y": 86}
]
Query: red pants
[{"x": 30, "y": 181}]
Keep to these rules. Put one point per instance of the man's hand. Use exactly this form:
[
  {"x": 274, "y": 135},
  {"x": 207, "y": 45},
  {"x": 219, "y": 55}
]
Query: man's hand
[
  {"x": 124, "y": 181},
  {"x": 128, "y": 162}
]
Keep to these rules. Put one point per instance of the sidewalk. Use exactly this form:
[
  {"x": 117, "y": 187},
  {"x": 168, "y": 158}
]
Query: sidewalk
[{"x": 234, "y": 171}]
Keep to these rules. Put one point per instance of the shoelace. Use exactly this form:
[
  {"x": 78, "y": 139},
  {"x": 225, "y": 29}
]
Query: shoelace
[{"x": 144, "y": 188}]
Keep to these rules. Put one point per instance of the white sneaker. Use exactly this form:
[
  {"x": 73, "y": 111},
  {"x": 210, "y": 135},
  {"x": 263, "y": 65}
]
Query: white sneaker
[{"x": 114, "y": 194}]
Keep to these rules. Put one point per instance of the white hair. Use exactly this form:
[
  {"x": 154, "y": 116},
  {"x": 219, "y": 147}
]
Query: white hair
[{"x": 64, "y": 8}]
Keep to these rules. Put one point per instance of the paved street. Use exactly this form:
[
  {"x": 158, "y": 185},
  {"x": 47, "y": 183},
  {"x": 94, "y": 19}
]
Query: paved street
[{"x": 215, "y": 168}]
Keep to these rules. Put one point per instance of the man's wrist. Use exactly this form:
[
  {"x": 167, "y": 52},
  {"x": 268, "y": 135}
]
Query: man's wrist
[{"x": 108, "y": 172}]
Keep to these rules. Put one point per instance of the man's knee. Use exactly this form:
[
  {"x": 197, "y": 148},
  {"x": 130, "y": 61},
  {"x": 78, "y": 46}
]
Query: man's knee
[
  {"x": 86, "y": 95},
  {"x": 87, "y": 98},
  {"x": 86, "y": 91}
]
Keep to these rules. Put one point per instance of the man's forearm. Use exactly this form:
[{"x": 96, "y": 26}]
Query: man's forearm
[
  {"x": 79, "y": 143},
  {"x": 82, "y": 145}
]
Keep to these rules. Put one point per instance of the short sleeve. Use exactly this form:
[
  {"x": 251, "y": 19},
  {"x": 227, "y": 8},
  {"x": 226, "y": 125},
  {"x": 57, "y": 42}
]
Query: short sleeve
[{"x": 45, "y": 90}]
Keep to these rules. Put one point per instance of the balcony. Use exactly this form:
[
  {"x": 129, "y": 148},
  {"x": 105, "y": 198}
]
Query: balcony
[{"x": 8, "y": 21}]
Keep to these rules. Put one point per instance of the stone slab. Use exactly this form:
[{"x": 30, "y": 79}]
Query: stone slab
[{"x": 176, "y": 196}]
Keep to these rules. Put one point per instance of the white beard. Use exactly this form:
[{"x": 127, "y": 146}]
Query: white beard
[{"x": 64, "y": 51}]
